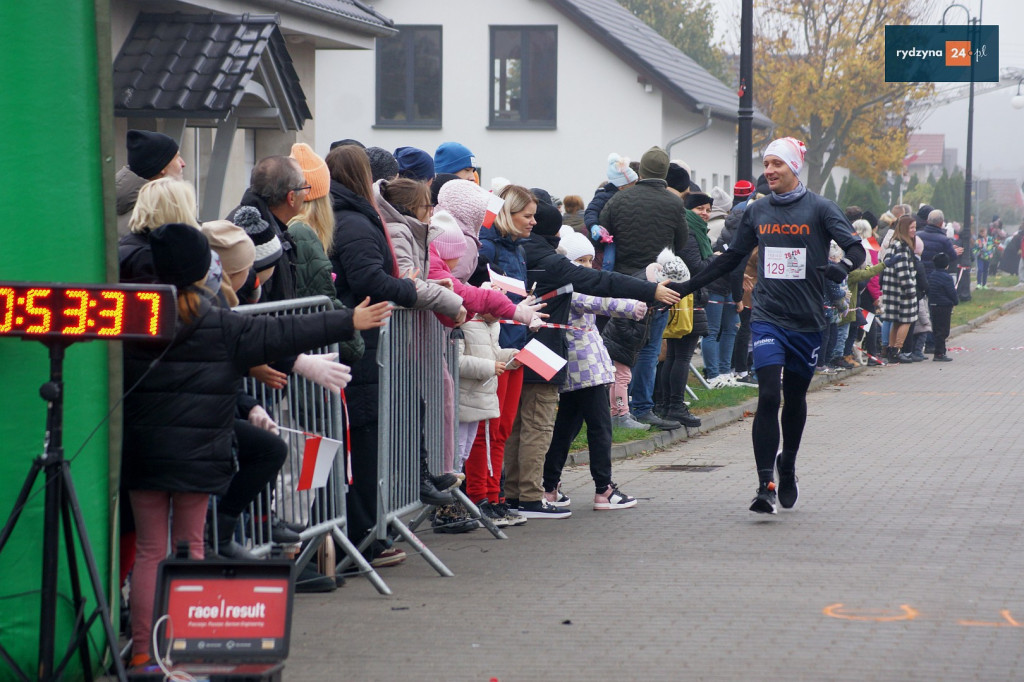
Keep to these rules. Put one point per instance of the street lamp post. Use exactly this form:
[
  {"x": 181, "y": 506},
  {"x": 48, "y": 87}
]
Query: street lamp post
[
  {"x": 964, "y": 290},
  {"x": 745, "y": 115}
]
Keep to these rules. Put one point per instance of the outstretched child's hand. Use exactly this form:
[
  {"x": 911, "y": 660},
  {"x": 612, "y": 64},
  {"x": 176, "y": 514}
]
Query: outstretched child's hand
[{"x": 366, "y": 316}]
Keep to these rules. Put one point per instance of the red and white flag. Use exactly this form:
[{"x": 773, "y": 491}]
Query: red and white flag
[
  {"x": 494, "y": 205},
  {"x": 540, "y": 359},
  {"x": 567, "y": 289},
  {"x": 317, "y": 460},
  {"x": 869, "y": 317},
  {"x": 510, "y": 285}
]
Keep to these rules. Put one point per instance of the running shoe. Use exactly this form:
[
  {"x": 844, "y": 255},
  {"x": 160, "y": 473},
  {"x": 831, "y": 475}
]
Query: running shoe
[
  {"x": 764, "y": 501},
  {"x": 788, "y": 491}
]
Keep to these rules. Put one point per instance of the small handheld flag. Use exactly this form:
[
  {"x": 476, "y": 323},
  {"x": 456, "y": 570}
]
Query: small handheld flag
[
  {"x": 540, "y": 359},
  {"x": 494, "y": 205}
]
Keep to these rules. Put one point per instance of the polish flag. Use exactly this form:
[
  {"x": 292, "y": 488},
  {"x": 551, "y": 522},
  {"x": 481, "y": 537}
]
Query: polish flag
[
  {"x": 913, "y": 156},
  {"x": 494, "y": 205},
  {"x": 317, "y": 460},
  {"x": 868, "y": 319},
  {"x": 567, "y": 289},
  {"x": 510, "y": 285},
  {"x": 540, "y": 359}
]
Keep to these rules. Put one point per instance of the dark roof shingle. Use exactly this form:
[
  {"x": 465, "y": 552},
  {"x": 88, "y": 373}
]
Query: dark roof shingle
[
  {"x": 198, "y": 66},
  {"x": 648, "y": 52}
]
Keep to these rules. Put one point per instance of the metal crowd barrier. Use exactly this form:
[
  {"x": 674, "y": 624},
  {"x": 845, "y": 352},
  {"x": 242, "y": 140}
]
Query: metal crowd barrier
[{"x": 300, "y": 408}]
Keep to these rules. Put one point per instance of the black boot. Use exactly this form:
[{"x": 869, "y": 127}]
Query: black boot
[
  {"x": 227, "y": 547},
  {"x": 678, "y": 411},
  {"x": 429, "y": 494}
]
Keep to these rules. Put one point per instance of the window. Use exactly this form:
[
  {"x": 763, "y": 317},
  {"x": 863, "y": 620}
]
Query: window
[
  {"x": 409, "y": 78},
  {"x": 524, "y": 76}
]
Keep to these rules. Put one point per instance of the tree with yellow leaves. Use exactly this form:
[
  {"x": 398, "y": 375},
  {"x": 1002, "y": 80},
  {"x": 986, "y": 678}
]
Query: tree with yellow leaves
[{"x": 819, "y": 73}]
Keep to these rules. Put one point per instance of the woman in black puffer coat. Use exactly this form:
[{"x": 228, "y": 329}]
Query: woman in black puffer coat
[{"x": 180, "y": 400}]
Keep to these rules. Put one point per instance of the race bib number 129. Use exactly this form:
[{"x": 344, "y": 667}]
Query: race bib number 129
[{"x": 783, "y": 263}]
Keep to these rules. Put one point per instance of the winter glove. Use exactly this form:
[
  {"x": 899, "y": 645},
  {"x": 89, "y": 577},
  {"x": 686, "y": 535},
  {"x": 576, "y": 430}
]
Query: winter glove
[
  {"x": 892, "y": 259},
  {"x": 640, "y": 311},
  {"x": 536, "y": 322},
  {"x": 259, "y": 418},
  {"x": 324, "y": 370},
  {"x": 526, "y": 309},
  {"x": 836, "y": 272},
  {"x": 595, "y": 232},
  {"x": 606, "y": 237}
]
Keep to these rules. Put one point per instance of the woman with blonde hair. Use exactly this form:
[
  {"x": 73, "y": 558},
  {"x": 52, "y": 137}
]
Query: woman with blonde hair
[
  {"x": 178, "y": 439},
  {"x": 162, "y": 201},
  {"x": 899, "y": 287}
]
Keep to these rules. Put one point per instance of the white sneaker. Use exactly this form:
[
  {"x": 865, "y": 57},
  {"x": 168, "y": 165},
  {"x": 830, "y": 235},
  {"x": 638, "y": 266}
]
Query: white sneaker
[
  {"x": 557, "y": 498},
  {"x": 613, "y": 498},
  {"x": 626, "y": 421}
]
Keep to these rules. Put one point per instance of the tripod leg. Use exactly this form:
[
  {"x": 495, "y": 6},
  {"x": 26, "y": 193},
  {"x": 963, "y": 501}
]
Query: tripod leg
[
  {"x": 19, "y": 504},
  {"x": 71, "y": 499},
  {"x": 81, "y": 624}
]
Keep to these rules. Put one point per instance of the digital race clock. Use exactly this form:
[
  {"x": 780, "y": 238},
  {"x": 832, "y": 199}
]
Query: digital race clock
[{"x": 87, "y": 311}]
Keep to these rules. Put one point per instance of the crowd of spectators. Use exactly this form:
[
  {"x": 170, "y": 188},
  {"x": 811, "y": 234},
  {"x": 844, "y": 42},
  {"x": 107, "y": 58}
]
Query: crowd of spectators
[{"x": 371, "y": 229}]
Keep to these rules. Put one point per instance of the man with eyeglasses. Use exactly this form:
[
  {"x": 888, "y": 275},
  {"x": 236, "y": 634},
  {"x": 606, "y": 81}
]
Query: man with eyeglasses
[{"x": 277, "y": 188}]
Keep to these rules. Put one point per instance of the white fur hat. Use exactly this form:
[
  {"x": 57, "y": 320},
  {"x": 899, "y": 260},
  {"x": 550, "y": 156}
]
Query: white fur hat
[{"x": 574, "y": 245}]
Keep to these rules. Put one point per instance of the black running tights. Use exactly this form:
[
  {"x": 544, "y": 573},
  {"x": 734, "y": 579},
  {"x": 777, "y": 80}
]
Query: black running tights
[{"x": 776, "y": 388}]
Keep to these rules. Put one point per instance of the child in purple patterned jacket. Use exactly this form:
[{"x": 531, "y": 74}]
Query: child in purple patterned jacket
[{"x": 584, "y": 395}]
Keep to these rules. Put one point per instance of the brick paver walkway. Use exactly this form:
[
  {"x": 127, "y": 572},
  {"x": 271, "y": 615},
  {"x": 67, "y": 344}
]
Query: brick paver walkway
[{"x": 901, "y": 561}]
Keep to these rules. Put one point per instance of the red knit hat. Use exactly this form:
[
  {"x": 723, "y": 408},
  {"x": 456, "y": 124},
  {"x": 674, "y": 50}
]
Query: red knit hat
[{"x": 742, "y": 189}]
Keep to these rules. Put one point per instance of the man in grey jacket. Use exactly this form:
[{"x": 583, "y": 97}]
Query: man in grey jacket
[{"x": 644, "y": 220}]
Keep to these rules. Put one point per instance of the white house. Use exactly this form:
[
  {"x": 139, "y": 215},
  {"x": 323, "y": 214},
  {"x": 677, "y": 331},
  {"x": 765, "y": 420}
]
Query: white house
[
  {"x": 540, "y": 90},
  {"x": 231, "y": 80}
]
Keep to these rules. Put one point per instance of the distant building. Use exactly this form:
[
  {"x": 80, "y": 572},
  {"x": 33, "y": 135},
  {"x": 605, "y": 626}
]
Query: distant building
[
  {"x": 540, "y": 90},
  {"x": 927, "y": 155},
  {"x": 232, "y": 81}
]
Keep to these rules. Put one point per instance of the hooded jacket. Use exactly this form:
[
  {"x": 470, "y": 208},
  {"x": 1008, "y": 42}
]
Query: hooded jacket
[
  {"x": 478, "y": 385},
  {"x": 364, "y": 265},
  {"x": 411, "y": 241},
  {"x": 179, "y": 418},
  {"x": 126, "y": 186},
  {"x": 507, "y": 256}
]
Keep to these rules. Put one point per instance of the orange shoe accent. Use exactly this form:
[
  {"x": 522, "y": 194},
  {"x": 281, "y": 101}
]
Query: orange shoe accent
[
  {"x": 139, "y": 660},
  {"x": 771, "y": 485}
]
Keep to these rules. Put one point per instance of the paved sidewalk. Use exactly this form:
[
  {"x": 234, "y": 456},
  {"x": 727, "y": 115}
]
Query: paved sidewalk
[{"x": 901, "y": 561}]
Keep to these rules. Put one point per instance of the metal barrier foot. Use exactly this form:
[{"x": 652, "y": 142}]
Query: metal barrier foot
[
  {"x": 421, "y": 517},
  {"x": 353, "y": 555},
  {"x": 475, "y": 512},
  {"x": 421, "y": 548}
]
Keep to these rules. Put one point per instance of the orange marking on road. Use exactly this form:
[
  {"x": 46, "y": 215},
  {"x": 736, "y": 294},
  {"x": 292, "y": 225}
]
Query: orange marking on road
[
  {"x": 1005, "y": 613},
  {"x": 870, "y": 615}
]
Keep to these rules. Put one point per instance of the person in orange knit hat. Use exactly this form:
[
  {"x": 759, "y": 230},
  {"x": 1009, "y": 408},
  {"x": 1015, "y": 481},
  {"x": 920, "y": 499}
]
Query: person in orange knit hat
[{"x": 312, "y": 231}]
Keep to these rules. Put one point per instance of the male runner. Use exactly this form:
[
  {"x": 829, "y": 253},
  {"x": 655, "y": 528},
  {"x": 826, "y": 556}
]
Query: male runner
[{"x": 792, "y": 229}]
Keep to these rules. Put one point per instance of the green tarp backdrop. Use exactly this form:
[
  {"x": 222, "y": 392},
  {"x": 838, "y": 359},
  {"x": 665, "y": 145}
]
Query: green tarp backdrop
[{"x": 52, "y": 173}]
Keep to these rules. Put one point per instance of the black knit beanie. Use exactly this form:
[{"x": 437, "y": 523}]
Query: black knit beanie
[
  {"x": 149, "y": 153},
  {"x": 181, "y": 254}
]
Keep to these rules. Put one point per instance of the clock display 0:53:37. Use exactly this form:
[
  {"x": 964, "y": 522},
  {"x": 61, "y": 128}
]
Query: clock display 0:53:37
[{"x": 86, "y": 311}]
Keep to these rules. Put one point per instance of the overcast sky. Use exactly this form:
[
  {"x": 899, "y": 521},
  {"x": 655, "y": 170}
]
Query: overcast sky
[{"x": 998, "y": 142}]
